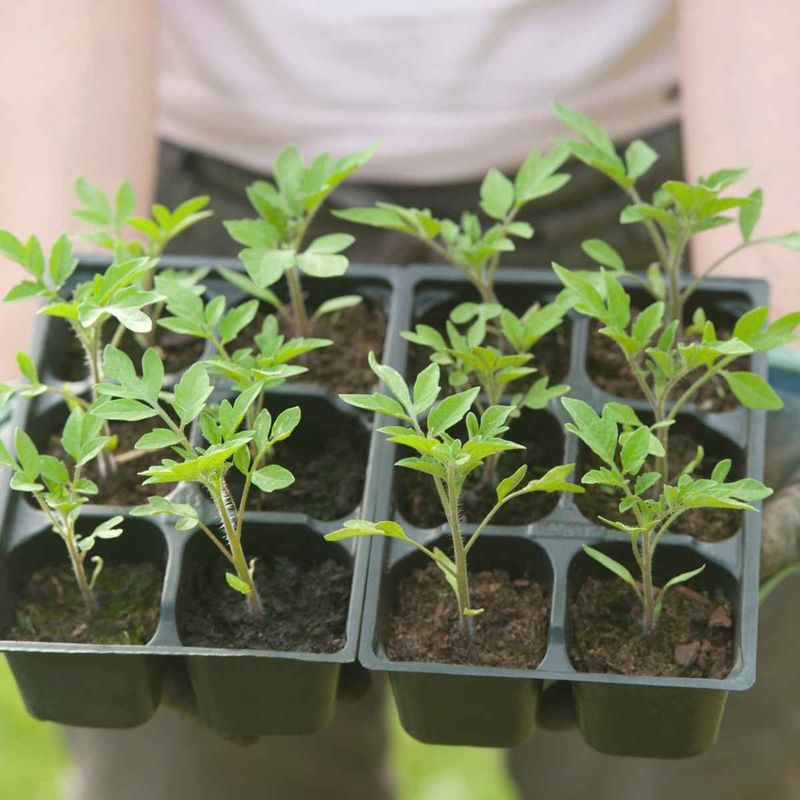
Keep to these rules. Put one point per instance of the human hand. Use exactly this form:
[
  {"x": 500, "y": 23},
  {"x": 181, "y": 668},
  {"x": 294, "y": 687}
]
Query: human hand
[{"x": 780, "y": 543}]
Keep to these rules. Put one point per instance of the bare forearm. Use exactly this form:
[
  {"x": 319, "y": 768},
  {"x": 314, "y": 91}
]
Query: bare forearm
[
  {"x": 739, "y": 69},
  {"x": 77, "y": 97}
]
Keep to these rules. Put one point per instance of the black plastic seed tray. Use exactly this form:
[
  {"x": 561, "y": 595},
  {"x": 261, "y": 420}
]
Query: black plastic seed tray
[
  {"x": 635, "y": 716},
  {"x": 238, "y": 692}
]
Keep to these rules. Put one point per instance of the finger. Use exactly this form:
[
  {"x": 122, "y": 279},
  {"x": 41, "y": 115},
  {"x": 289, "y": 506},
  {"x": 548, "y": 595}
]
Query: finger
[{"x": 780, "y": 538}]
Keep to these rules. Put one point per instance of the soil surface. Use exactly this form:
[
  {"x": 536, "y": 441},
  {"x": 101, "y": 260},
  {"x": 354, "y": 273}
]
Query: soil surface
[
  {"x": 178, "y": 351},
  {"x": 124, "y": 488},
  {"x": 342, "y": 366},
  {"x": 511, "y": 632},
  {"x": 329, "y": 476},
  {"x": 551, "y": 355},
  {"x": 609, "y": 369},
  {"x": 50, "y": 607},
  {"x": 693, "y": 638},
  {"x": 705, "y": 524},
  {"x": 419, "y": 503},
  {"x": 305, "y": 607}
]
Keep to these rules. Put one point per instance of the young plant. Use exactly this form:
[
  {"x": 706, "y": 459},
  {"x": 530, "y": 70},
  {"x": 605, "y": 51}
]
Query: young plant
[
  {"x": 115, "y": 227},
  {"x": 114, "y": 293},
  {"x": 624, "y": 453},
  {"x": 476, "y": 251},
  {"x": 275, "y": 241},
  {"x": 448, "y": 461},
  {"x": 668, "y": 371},
  {"x": 676, "y": 212},
  {"x": 265, "y": 362},
  {"x": 60, "y": 490},
  {"x": 470, "y": 360},
  {"x": 130, "y": 397}
]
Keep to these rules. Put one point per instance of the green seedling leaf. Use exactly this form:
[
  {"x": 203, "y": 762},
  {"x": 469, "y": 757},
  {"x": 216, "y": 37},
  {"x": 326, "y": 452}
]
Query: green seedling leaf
[
  {"x": 152, "y": 375},
  {"x": 646, "y": 481},
  {"x": 236, "y": 320},
  {"x": 379, "y": 403},
  {"x": 540, "y": 394},
  {"x": 426, "y": 388},
  {"x": 245, "y": 283},
  {"x": 611, "y": 565},
  {"x": 497, "y": 194},
  {"x": 272, "y": 478},
  {"x": 336, "y": 304},
  {"x": 447, "y": 567},
  {"x": 321, "y": 265},
  {"x": 450, "y": 411},
  {"x": 604, "y": 254},
  {"x": 682, "y": 578},
  {"x": 236, "y": 583},
  {"x": 191, "y": 393},
  {"x": 124, "y": 410},
  {"x": 721, "y": 470},
  {"x": 158, "y": 439},
  {"x": 639, "y": 157},
  {"x": 331, "y": 243},
  {"x": 791, "y": 241},
  {"x": 554, "y": 480},
  {"x": 507, "y": 485},
  {"x": 392, "y": 379},
  {"x": 635, "y": 450},
  {"x": 422, "y": 464},
  {"x": 598, "y": 433},
  {"x": 750, "y": 213},
  {"x": 109, "y": 529},
  {"x": 266, "y": 267},
  {"x": 752, "y": 391},
  {"x": 362, "y": 527},
  {"x": 285, "y": 423}
]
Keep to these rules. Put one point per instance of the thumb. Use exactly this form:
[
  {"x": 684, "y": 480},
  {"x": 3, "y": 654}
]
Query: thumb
[{"x": 780, "y": 539}]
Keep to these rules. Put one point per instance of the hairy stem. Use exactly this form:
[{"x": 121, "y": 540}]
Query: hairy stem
[
  {"x": 300, "y": 319},
  {"x": 221, "y": 497},
  {"x": 675, "y": 298},
  {"x": 76, "y": 559},
  {"x": 91, "y": 346},
  {"x": 648, "y": 596},
  {"x": 653, "y": 231},
  {"x": 459, "y": 552}
]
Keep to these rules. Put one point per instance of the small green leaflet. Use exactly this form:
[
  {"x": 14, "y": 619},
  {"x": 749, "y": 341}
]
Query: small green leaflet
[
  {"x": 235, "y": 582},
  {"x": 612, "y": 565}
]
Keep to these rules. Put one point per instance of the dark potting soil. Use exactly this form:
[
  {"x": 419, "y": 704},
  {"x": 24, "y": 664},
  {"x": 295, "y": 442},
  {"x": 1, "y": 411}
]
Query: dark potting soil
[
  {"x": 50, "y": 607},
  {"x": 511, "y": 632},
  {"x": 693, "y": 638},
  {"x": 551, "y": 355},
  {"x": 329, "y": 476},
  {"x": 419, "y": 503},
  {"x": 609, "y": 369},
  {"x": 305, "y": 607},
  {"x": 178, "y": 351},
  {"x": 124, "y": 488},
  {"x": 705, "y": 524},
  {"x": 342, "y": 366}
]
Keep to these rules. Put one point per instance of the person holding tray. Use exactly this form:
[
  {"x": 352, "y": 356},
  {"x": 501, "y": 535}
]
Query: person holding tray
[{"x": 185, "y": 98}]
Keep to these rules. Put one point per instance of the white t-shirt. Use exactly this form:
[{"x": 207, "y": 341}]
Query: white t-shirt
[{"x": 448, "y": 88}]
